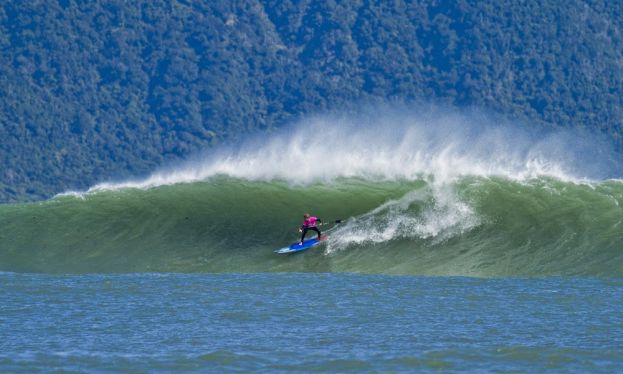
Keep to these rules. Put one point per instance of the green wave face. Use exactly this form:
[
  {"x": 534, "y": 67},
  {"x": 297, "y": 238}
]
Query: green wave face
[{"x": 474, "y": 226}]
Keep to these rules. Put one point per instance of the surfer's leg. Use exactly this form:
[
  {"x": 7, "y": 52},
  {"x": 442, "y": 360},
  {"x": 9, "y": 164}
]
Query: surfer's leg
[
  {"x": 316, "y": 230},
  {"x": 303, "y": 235}
]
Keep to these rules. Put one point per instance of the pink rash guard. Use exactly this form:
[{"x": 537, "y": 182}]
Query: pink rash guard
[{"x": 310, "y": 222}]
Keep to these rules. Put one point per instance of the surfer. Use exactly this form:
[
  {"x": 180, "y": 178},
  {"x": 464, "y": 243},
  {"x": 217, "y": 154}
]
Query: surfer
[{"x": 309, "y": 223}]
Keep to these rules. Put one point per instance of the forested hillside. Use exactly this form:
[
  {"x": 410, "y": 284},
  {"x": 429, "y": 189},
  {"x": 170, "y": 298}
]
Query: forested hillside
[{"x": 92, "y": 90}]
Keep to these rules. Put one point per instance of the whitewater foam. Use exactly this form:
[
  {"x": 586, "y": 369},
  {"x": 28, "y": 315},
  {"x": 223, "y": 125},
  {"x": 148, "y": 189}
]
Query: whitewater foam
[{"x": 435, "y": 213}]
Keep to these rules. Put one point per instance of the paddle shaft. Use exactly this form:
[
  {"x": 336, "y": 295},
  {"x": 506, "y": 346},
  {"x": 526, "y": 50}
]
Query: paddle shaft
[{"x": 327, "y": 223}]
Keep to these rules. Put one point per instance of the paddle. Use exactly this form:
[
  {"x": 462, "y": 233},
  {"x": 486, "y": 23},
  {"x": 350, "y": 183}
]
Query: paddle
[{"x": 328, "y": 223}]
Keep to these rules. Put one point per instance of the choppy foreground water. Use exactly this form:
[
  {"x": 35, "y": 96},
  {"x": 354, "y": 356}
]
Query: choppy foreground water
[{"x": 294, "y": 322}]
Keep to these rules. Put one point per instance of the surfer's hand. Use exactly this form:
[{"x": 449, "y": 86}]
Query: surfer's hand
[{"x": 300, "y": 230}]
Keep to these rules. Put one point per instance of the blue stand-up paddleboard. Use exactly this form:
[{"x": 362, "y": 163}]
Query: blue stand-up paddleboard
[{"x": 296, "y": 247}]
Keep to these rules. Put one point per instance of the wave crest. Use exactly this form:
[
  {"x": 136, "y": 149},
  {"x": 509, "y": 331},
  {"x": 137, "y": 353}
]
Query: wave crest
[{"x": 433, "y": 144}]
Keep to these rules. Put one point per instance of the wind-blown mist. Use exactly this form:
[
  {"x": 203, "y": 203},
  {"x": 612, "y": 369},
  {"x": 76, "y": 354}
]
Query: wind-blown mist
[{"x": 392, "y": 145}]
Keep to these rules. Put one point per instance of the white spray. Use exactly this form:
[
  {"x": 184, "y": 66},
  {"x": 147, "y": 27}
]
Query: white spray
[{"x": 392, "y": 145}]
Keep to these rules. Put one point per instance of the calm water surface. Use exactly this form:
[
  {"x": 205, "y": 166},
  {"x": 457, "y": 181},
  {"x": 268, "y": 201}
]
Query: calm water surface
[{"x": 293, "y": 322}]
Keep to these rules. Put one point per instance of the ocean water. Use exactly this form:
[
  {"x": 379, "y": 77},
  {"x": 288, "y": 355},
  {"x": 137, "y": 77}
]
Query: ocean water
[
  {"x": 294, "y": 322},
  {"x": 461, "y": 247}
]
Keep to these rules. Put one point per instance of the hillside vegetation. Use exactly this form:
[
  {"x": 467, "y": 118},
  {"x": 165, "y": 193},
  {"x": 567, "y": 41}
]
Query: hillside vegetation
[{"x": 93, "y": 90}]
